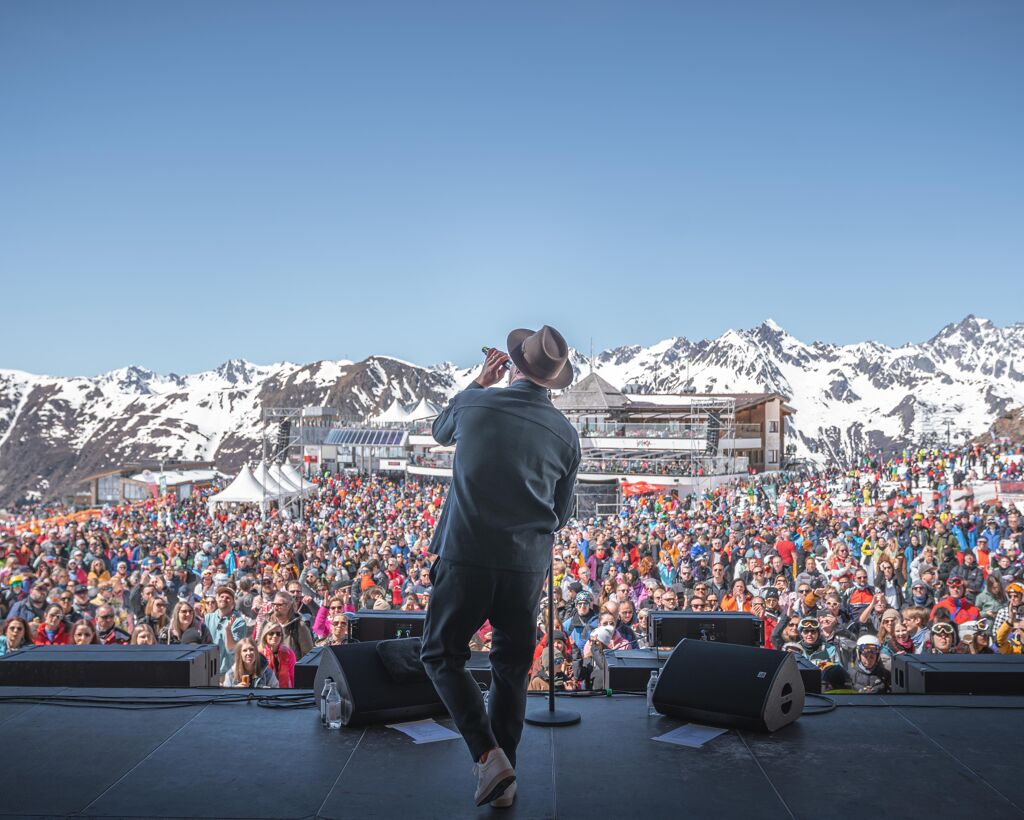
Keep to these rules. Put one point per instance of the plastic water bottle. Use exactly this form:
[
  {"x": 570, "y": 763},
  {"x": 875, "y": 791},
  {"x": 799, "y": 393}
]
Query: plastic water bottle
[
  {"x": 323, "y": 700},
  {"x": 651, "y": 686},
  {"x": 333, "y": 708}
]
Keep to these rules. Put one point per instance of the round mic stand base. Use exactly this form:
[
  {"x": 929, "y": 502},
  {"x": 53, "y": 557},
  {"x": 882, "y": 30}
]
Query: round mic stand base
[{"x": 546, "y": 717}]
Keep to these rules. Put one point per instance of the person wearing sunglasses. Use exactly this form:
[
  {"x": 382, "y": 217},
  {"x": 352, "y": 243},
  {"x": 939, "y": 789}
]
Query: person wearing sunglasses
[
  {"x": 974, "y": 638},
  {"x": 66, "y": 602},
  {"x": 814, "y": 645},
  {"x": 943, "y": 639},
  {"x": 107, "y": 631},
  {"x": 1012, "y": 609},
  {"x": 14, "y": 634},
  {"x": 787, "y": 631},
  {"x": 869, "y": 674},
  {"x": 337, "y": 624},
  {"x": 280, "y": 657},
  {"x": 960, "y": 609}
]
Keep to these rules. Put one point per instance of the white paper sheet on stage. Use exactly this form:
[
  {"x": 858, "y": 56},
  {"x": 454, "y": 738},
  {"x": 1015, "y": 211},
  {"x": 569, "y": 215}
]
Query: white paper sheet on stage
[
  {"x": 693, "y": 735},
  {"x": 425, "y": 731}
]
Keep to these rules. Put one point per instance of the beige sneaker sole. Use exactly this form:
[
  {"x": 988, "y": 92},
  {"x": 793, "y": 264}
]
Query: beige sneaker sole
[{"x": 507, "y": 798}]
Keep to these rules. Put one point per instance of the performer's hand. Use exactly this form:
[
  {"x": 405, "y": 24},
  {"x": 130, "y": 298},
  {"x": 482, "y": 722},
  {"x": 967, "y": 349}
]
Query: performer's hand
[{"x": 493, "y": 369}]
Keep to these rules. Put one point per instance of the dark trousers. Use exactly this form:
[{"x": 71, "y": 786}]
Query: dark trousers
[{"x": 463, "y": 597}]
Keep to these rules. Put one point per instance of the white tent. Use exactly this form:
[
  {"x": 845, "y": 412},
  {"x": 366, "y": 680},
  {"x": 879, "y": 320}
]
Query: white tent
[
  {"x": 266, "y": 479},
  {"x": 296, "y": 478},
  {"x": 394, "y": 413},
  {"x": 423, "y": 410},
  {"x": 243, "y": 489},
  {"x": 282, "y": 479}
]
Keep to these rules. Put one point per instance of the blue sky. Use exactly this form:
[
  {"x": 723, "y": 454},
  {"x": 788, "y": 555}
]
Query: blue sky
[{"x": 182, "y": 183}]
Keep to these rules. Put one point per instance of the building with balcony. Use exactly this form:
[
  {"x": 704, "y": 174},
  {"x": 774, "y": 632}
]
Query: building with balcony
[
  {"x": 688, "y": 442},
  {"x": 139, "y": 481},
  {"x": 689, "y": 433}
]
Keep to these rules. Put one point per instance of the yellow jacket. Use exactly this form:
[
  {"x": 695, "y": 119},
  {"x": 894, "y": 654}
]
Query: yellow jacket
[{"x": 1003, "y": 640}]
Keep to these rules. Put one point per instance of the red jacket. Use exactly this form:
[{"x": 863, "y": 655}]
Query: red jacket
[
  {"x": 959, "y": 608},
  {"x": 61, "y": 638},
  {"x": 283, "y": 666}
]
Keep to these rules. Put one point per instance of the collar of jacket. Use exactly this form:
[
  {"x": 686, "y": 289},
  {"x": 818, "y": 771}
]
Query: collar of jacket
[{"x": 527, "y": 387}]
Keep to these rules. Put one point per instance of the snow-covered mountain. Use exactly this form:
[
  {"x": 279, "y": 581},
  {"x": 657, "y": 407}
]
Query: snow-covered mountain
[{"x": 848, "y": 398}]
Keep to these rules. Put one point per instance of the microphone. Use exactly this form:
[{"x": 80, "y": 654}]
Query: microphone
[{"x": 507, "y": 364}]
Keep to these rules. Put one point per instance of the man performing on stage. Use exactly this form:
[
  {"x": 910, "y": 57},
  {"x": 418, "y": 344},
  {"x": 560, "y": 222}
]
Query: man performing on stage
[{"x": 512, "y": 488}]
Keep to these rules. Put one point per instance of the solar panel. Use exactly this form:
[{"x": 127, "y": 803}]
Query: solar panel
[{"x": 354, "y": 437}]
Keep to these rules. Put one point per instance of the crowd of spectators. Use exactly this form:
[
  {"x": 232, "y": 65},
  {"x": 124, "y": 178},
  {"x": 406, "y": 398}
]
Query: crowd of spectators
[{"x": 848, "y": 568}]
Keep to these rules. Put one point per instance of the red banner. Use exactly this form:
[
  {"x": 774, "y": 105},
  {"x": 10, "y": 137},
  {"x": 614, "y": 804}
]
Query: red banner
[{"x": 642, "y": 488}]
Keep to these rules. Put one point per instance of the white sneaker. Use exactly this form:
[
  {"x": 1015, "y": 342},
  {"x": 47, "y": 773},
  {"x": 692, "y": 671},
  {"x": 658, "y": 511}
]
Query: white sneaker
[
  {"x": 507, "y": 798},
  {"x": 493, "y": 777}
]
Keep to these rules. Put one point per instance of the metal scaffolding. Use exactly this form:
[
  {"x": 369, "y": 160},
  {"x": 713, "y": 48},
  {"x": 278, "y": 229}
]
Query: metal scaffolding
[{"x": 281, "y": 433}]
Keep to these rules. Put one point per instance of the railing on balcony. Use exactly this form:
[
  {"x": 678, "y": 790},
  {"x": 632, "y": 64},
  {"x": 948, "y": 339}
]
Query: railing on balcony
[
  {"x": 610, "y": 429},
  {"x": 682, "y": 467},
  {"x": 441, "y": 460},
  {"x": 416, "y": 428}
]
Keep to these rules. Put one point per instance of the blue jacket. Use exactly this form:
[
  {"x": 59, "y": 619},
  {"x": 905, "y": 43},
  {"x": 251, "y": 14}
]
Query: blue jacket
[{"x": 513, "y": 478}]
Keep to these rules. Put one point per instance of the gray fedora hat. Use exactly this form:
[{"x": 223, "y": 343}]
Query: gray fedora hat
[{"x": 542, "y": 356}]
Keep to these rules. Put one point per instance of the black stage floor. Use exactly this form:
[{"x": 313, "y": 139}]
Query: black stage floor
[{"x": 878, "y": 757}]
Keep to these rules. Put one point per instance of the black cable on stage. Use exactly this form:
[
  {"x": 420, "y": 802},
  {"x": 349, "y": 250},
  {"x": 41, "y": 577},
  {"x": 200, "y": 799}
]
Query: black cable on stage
[{"x": 283, "y": 701}]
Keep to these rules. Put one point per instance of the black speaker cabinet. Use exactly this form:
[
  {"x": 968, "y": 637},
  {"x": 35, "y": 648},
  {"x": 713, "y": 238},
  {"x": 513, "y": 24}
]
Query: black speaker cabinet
[
  {"x": 369, "y": 694},
  {"x": 306, "y": 666},
  {"x": 129, "y": 667},
  {"x": 629, "y": 670},
  {"x": 669, "y": 628},
  {"x": 479, "y": 666},
  {"x": 958, "y": 674},
  {"x": 809, "y": 673},
  {"x": 730, "y": 685},
  {"x": 384, "y": 624}
]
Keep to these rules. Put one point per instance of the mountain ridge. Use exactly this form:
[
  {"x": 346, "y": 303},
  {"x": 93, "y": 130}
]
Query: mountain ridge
[{"x": 849, "y": 398}]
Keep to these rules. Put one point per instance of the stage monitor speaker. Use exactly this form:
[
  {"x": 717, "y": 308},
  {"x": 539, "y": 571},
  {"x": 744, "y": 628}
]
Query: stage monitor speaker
[
  {"x": 479, "y": 666},
  {"x": 667, "y": 628},
  {"x": 629, "y": 670},
  {"x": 306, "y": 666},
  {"x": 742, "y": 687},
  {"x": 383, "y": 624},
  {"x": 177, "y": 666},
  {"x": 810, "y": 673},
  {"x": 369, "y": 692},
  {"x": 958, "y": 674}
]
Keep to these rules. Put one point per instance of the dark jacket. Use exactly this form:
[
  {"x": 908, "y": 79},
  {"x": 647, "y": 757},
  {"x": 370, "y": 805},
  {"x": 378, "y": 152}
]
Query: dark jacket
[
  {"x": 27, "y": 609},
  {"x": 197, "y": 634},
  {"x": 298, "y": 637},
  {"x": 898, "y": 584},
  {"x": 870, "y": 681},
  {"x": 513, "y": 478},
  {"x": 113, "y": 636},
  {"x": 974, "y": 579}
]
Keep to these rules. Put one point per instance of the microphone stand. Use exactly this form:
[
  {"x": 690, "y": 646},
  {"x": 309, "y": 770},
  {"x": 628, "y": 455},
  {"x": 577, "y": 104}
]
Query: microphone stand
[{"x": 551, "y": 716}]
